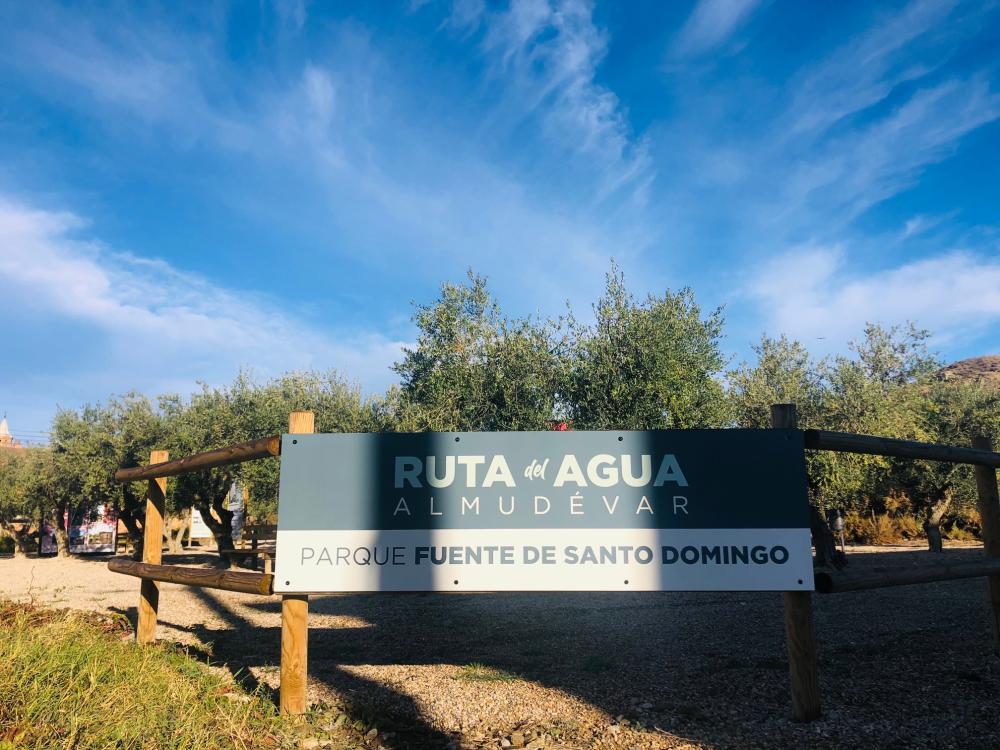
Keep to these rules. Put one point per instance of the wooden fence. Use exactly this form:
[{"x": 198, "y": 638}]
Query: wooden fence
[
  {"x": 799, "y": 629},
  {"x": 294, "y": 609}
]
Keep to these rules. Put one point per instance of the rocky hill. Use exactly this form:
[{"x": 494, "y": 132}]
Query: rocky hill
[{"x": 984, "y": 369}]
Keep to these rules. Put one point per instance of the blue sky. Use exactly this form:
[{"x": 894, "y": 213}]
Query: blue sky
[{"x": 271, "y": 185}]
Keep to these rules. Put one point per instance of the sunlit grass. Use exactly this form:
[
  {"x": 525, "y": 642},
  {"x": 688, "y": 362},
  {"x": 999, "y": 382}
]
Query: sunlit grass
[
  {"x": 476, "y": 672},
  {"x": 71, "y": 680}
]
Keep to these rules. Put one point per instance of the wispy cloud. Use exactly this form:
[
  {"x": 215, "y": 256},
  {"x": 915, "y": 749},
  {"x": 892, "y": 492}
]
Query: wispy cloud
[
  {"x": 868, "y": 67},
  {"x": 842, "y": 134},
  {"x": 334, "y": 123},
  {"x": 159, "y": 322},
  {"x": 849, "y": 174},
  {"x": 547, "y": 55},
  {"x": 711, "y": 23},
  {"x": 812, "y": 293},
  {"x": 922, "y": 224}
]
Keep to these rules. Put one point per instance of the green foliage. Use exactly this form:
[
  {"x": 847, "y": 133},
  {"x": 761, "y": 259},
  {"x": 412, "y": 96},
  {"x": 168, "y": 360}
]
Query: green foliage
[
  {"x": 248, "y": 410},
  {"x": 474, "y": 369},
  {"x": 89, "y": 445},
  {"x": 783, "y": 374},
  {"x": 639, "y": 364},
  {"x": 646, "y": 365}
]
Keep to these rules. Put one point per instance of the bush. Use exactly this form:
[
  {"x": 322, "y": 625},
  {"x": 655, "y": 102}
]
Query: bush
[
  {"x": 909, "y": 527},
  {"x": 958, "y": 533},
  {"x": 881, "y": 528},
  {"x": 6, "y": 545}
]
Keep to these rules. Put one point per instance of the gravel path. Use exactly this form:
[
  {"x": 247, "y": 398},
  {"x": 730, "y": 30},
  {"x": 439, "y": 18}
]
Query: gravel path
[{"x": 904, "y": 667}]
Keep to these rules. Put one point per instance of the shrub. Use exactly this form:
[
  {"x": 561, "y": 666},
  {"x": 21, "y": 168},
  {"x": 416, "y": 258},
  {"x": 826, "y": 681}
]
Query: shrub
[
  {"x": 881, "y": 528},
  {"x": 958, "y": 533},
  {"x": 908, "y": 527}
]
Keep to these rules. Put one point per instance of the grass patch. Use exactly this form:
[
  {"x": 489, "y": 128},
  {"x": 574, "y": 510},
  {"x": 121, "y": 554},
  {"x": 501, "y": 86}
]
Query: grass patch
[
  {"x": 477, "y": 672},
  {"x": 76, "y": 680}
]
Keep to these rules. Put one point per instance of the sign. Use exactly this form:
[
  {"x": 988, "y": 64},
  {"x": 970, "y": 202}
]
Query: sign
[
  {"x": 47, "y": 540},
  {"x": 92, "y": 529},
  {"x": 199, "y": 529},
  {"x": 668, "y": 510}
]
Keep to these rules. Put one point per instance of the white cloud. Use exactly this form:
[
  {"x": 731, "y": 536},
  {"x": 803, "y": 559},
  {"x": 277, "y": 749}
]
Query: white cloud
[
  {"x": 810, "y": 293},
  {"x": 547, "y": 55},
  {"x": 872, "y": 163},
  {"x": 710, "y": 24},
  {"x": 163, "y": 325},
  {"x": 337, "y": 132},
  {"x": 921, "y": 224},
  {"x": 866, "y": 69}
]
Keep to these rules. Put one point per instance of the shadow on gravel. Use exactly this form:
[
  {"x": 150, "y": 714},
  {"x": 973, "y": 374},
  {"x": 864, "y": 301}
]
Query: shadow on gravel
[
  {"x": 242, "y": 646},
  {"x": 896, "y": 665}
]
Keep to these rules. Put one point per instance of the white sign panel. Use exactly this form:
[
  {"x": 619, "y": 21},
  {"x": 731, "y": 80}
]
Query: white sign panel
[{"x": 698, "y": 510}]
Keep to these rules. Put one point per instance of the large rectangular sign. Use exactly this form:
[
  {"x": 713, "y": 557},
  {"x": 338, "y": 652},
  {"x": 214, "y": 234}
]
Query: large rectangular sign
[{"x": 666, "y": 510}]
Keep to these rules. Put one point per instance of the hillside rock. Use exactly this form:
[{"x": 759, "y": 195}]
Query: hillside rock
[{"x": 984, "y": 369}]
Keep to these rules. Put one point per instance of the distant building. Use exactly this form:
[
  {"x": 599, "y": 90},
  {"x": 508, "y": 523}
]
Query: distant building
[{"x": 7, "y": 441}]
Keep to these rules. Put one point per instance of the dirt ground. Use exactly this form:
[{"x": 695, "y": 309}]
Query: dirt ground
[{"x": 900, "y": 667}]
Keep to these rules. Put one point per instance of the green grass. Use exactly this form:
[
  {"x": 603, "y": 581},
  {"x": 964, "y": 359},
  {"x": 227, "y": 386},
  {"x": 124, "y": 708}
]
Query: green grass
[
  {"x": 74, "y": 680},
  {"x": 476, "y": 672}
]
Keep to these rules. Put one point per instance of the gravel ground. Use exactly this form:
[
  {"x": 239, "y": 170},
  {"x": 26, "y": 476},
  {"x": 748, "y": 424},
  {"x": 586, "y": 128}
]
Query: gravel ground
[{"x": 904, "y": 667}]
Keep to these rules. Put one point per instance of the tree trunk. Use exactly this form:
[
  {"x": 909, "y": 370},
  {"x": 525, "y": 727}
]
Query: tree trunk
[
  {"x": 62, "y": 536},
  {"x": 827, "y": 553},
  {"x": 130, "y": 514},
  {"x": 134, "y": 533},
  {"x": 62, "y": 541},
  {"x": 174, "y": 530},
  {"x": 221, "y": 527},
  {"x": 21, "y": 542},
  {"x": 932, "y": 523}
]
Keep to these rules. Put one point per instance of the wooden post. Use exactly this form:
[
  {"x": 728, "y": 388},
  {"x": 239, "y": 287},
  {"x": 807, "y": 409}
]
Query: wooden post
[
  {"x": 152, "y": 544},
  {"x": 799, "y": 632},
  {"x": 295, "y": 618},
  {"x": 989, "y": 512}
]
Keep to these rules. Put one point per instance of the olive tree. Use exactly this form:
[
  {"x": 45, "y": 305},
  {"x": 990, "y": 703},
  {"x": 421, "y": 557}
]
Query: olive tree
[
  {"x": 949, "y": 413},
  {"x": 647, "y": 364},
  {"x": 89, "y": 445},
  {"x": 783, "y": 373},
  {"x": 18, "y": 504},
  {"x": 475, "y": 369},
  {"x": 244, "y": 411},
  {"x": 263, "y": 409}
]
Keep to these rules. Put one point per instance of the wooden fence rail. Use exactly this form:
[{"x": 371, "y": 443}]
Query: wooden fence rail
[
  {"x": 294, "y": 609},
  {"x": 245, "y": 582},
  {"x": 831, "y": 582},
  {"x": 232, "y": 454},
  {"x": 846, "y": 442}
]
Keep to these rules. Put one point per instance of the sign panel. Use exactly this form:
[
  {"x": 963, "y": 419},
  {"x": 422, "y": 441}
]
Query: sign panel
[
  {"x": 667, "y": 510},
  {"x": 199, "y": 529},
  {"x": 92, "y": 529}
]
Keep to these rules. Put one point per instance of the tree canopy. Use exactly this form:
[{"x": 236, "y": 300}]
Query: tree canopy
[{"x": 654, "y": 362}]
